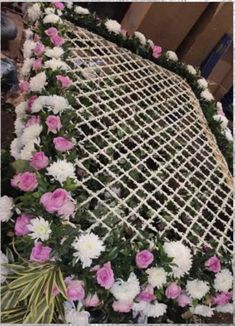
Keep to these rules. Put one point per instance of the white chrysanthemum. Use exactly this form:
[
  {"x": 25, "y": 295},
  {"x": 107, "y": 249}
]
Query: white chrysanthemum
[
  {"x": 157, "y": 276},
  {"x": 49, "y": 11},
  {"x": 81, "y": 11},
  {"x": 39, "y": 229},
  {"x": 55, "y": 52},
  {"x": 34, "y": 12},
  {"x": 202, "y": 310},
  {"x": 27, "y": 65},
  {"x": 28, "y": 48},
  {"x": 55, "y": 64},
  {"x": 219, "y": 107},
  {"x": 51, "y": 19},
  {"x": 30, "y": 133},
  {"x": 155, "y": 309},
  {"x": 126, "y": 291},
  {"x": 88, "y": 247},
  {"x": 223, "y": 280},
  {"x": 227, "y": 308},
  {"x": 197, "y": 289},
  {"x": 38, "y": 82},
  {"x": 202, "y": 82},
  {"x": 222, "y": 119},
  {"x": 228, "y": 134},
  {"x": 15, "y": 148},
  {"x": 19, "y": 126},
  {"x": 140, "y": 37},
  {"x": 6, "y": 207},
  {"x": 75, "y": 317},
  {"x": 69, "y": 4},
  {"x": 113, "y": 26},
  {"x": 181, "y": 255},
  {"x": 20, "y": 110},
  {"x": 4, "y": 270},
  {"x": 191, "y": 69},
  {"x": 28, "y": 34},
  {"x": 57, "y": 103},
  {"x": 61, "y": 170},
  {"x": 151, "y": 44},
  {"x": 172, "y": 55},
  {"x": 27, "y": 151},
  {"x": 206, "y": 94}
]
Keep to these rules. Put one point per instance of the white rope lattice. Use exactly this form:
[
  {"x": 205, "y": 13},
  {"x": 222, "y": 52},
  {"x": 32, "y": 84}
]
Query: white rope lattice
[{"x": 145, "y": 148}]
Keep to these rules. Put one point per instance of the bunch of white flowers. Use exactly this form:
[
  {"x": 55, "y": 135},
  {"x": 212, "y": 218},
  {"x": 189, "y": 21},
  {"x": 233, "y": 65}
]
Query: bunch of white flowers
[
  {"x": 38, "y": 82},
  {"x": 52, "y": 19},
  {"x": 113, "y": 26},
  {"x": 172, "y": 55},
  {"x": 223, "y": 280},
  {"x": 191, "y": 69},
  {"x": 157, "y": 276},
  {"x": 55, "y": 64},
  {"x": 206, "y": 94},
  {"x": 57, "y": 103},
  {"x": 197, "y": 289},
  {"x": 202, "y": 83},
  {"x": 61, "y": 170},
  {"x": 28, "y": 48},
  {"x": 126, "y": 292},
  {"x": 81, "y": 11},
  {"x": 6, "y": 208},
  {"x": 140, "y": 37},
  {"x": 34, "y": 12},
  {"x": 55, "y": 52}
]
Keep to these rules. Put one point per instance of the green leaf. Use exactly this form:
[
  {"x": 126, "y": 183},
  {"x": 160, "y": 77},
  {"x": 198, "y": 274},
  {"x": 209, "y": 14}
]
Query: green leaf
[
  {"x": 49, "y": 287},
  {"x": 60, "y": 283},
  {"x": 21, "y": 165}
]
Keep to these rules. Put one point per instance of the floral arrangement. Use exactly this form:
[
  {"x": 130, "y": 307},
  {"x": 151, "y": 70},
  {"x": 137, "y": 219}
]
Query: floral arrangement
[{"x": 52, "y": 271}]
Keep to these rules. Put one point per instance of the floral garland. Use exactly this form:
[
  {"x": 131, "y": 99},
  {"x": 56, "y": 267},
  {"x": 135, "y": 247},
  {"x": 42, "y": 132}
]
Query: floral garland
[
  {"x": 137, "y": 43},
  {"x": 52, "y": 271}
]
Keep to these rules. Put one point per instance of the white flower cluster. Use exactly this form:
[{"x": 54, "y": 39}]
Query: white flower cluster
[
  {"x": 220, "y": 117},
  {"x": 206, "y": 94},
  {"x": 202, "y": 82},
  {"x": 52, "y": 19},
  {"x": 56, "y": 103},
  {"x": 140, "y": 36},
  {"x": 113, "y": 26},
  {"x": 191, "y": 69},
  {"x": 61, "y": 170},
  {"x": 55, "y": 64},
  {"x": 154, "y": 310},
  {"x": 55, "y": 52},
  {"x": 27, "y": 65},
  {"x": 157, "y": 276},
  {"x": 125, "y": 292},
  {"x": 197, "y": 289},
  {"x": 28, "y": 48},
  {"x": 38, "y": 82},
  {"x": 6, "y": 208},
  {"x": 34, "y": 12},
  {"x": 223, "y": 281},
  {"x": 172, "y": 55},
  {"x": 81, "y": 11}
]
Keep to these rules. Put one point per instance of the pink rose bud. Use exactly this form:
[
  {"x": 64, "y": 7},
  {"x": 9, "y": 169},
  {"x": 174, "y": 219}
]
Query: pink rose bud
[
  {"x": 33, "y": 120},
  {"x": 147, "y": 294},
  {"x": 16, "y": 180},
  {"x": 92, "y": 301},
  {"x": 104, "y": 276},
  {"x": 144, "y": 258},
  {"x": 58, "y": 5},
  {"x": 213, "y": 264},
  {"x": 123, "y": 307},
  {"x": 24, "y": 86},
  {"x": 62, "y": 144},
  {"x": 66, "y": 210},
  {"x": 57, "y": 40},
  {"x": 31, "y": 100},
  {"x": 28, "y": 181},
  {"x": 39, "y": 161},
  {"x": 157, "y": 51},
  {"x": 52, "y": 31},
  {"x": 64, "y": 80},
  {"x": 53, "y": 123},
  {"x": 21, "y": 225},
  {"x": 39, "y": 49},
  {"x": 75, "y": 291},
  {"x": 40, "y": 253},
  {"x": 53, "y": 201},
  {"x": 37, "y": 64},
  {"x": 173, "y": 291},
  {"x": 183, "y": 300},
  {"x": 222, "y": 298}
]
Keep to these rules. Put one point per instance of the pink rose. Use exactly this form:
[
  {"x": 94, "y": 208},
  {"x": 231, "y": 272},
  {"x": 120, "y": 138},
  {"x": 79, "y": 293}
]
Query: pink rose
[
  {"x": 52, "y": 31},
  {"x": 37, "y": 64},
  {"x": 104, "y": 276},
  {"x": 67, "y": 209},
  {"x": 173, "y": 291},
  {"x": 24, "y": 86},
  {"x": 21, "y": 225},
  {"x": 58, "y": 5},
  {"x": 157, "y": 51},
  {"x": 144, "y": 258},
  {"x": 92, "y": 301},
  {"x": 39, "y": 161},
  {"x": 39, "y": 49},
  {"x": 119, "y": 306},
  {"x": 57, "y": 40},
  {"x": 16, "y": 180},
  {"x": 222, "y": 298},
  {"x": 40, "y": 253},
  {"x": 213, "y": 264},
  {"x": 28, "y": 181},
  {"x": 64, "y": 80},
  {"x": 147, "y": 294},
  {"x": 31, "y": 100},
  {"x": 183, "y": 300},
  {"x": 75, "y": 291},
  {"x": 52, "y": 201},
  {"x": 53, "y": 123},
  {"x": 62, "y": 144},
  {"x": 33, "y": 120}
]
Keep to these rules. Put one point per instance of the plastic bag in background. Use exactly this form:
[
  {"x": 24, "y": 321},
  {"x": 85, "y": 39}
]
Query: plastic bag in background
[
  {"x": 9, "y": 79},
  {"x": 8, "y": 28}
]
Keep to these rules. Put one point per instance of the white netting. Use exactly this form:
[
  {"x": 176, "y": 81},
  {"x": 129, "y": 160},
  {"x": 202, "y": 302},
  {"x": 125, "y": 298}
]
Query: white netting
[{"x": 145, "y": 147}]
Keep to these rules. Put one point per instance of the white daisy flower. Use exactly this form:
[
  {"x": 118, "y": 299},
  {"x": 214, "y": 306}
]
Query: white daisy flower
[
  {"x": 157, "y": 276},
  {"x": 61, "y": 170},
  {"x": 113, "y": 26},
  {"x": 6, "y": 208},
  {"x": 172, "y": 55},
  {"x": 140, "y": 37},
  {"x": 223, "y": 280},
  {"x": 39, "y": 228},
  {"x": 197, "y": 289},
  {"x": 126, "y": 291},
  {"x": 88, "y": 247},
  {"x": 38, "y": 82}
]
